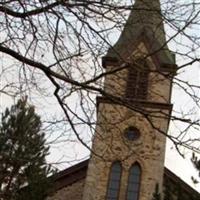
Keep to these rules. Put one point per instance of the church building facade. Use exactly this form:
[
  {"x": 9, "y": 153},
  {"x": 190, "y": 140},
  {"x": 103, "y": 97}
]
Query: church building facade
[{"x": 128, "y": 151}]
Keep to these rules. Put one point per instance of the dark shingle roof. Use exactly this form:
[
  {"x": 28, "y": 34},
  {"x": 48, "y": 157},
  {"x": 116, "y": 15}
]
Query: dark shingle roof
[{"x": 145, "y": 21}]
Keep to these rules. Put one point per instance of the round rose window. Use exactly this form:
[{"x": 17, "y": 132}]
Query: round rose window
[{"x": 132, "y": 133}]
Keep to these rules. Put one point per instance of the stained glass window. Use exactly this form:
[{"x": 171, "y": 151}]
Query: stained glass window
[
  {"x": 134, "y": 182},
  {"x": 114, "y": 181}
]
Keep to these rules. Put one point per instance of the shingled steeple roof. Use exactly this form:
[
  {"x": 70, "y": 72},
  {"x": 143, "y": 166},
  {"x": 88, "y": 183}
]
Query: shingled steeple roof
[{"x": 145, "y": 21}]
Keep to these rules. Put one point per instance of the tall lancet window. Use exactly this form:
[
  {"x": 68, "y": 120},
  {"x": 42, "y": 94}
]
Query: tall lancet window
[
  {"x": 114, "y": 181},
  {"x": 137, "y": 83},
  {"x": 134, "y": 182}
]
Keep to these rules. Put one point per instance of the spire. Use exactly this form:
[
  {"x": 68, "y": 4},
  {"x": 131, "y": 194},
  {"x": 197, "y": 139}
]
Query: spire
[{"x": 145, "y": 20}]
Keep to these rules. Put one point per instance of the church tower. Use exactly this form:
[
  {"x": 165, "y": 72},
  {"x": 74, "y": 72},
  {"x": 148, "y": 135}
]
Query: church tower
[{"x": 128, "y": 151}]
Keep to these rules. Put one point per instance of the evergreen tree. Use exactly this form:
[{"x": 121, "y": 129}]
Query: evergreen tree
[
  {"x": 23, "y": 168},
  {"x": 168, "y": 192},
  {"x": 196, "y": 163},
  {"x": 156, "y": 194}
]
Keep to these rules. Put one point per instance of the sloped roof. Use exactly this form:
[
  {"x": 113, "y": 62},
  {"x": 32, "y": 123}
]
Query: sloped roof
[
  {"x": 79, "y": 171},
  {"x": 70, "y": 175},
  {"x": 145, "y": 21}
]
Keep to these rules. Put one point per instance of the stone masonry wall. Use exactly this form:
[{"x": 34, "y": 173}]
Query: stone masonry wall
[
  {"x": 158, "y": 82},
  {"x": 110, "y": 145}
]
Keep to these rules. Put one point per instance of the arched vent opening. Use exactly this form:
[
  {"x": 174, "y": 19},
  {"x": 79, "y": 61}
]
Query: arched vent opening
[{"x": 137, "y": 83}]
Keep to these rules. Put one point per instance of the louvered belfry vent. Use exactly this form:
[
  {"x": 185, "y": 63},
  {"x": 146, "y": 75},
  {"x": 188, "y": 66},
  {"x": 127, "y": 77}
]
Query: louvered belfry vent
[{"x": 137, "y": 83}]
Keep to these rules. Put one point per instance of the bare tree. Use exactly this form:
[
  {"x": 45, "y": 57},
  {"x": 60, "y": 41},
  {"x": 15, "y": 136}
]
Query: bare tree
[{"x": 53, "y": 48}]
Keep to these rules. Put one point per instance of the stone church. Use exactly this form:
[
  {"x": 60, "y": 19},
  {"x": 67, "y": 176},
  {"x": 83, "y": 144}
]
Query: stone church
[{"x": 128, "y": 151}]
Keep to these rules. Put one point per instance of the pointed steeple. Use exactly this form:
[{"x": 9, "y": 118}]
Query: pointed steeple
[{"x": 145, "y": 22}]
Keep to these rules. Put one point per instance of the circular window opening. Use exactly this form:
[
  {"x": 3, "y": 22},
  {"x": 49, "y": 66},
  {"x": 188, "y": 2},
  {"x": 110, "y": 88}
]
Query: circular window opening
[{"x": 132, "y": 133}]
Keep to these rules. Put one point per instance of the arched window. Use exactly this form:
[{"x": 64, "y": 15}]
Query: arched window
[
  {"x": 137, "y": 83},
  {"x": 114, "y": 181},
  {"x": 134, "y": 182}
]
